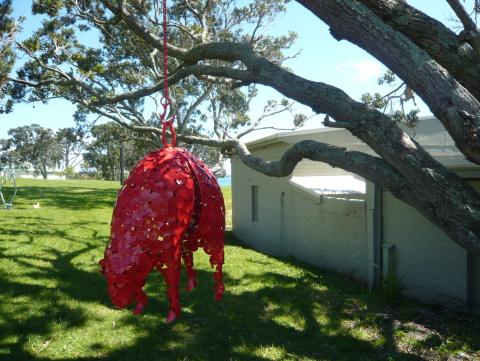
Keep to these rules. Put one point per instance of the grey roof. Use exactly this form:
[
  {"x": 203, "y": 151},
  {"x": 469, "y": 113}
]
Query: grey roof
[{"x": 429, "y": 132}]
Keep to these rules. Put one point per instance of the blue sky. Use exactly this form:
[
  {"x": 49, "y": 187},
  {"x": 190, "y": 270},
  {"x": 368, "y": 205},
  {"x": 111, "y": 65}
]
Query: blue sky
[{"x": 322, "y": 58}]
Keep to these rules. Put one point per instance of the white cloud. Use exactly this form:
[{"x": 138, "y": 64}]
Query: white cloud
[{"x": 360, "y": 70}]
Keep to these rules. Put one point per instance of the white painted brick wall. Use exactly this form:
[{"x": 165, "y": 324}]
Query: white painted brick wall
[
  {"x": 328, "y": 234},
  {"x": 429, "y": 265}
]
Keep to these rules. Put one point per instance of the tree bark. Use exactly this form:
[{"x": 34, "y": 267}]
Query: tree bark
[
  {"x": 442, "y": 44},
  {"x": 450, "y": 102},
  {"x": 43, "y": 171},
  {"x": 67, "y": 155}
]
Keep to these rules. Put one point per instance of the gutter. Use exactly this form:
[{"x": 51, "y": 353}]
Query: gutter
[
  {"x": 377, "y": 235},
  {"x": 374, "y": 234}
]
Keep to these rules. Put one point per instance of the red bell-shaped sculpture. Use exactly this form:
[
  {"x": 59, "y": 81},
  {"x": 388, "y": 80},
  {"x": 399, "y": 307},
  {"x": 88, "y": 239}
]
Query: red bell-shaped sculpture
[{"x": 169, "y": 206}]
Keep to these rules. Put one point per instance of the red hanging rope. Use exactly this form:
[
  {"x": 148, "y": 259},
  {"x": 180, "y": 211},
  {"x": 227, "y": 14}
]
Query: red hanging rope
[
  {"x": 165, "y": 52},
  {"x": 166, "y": 101}
]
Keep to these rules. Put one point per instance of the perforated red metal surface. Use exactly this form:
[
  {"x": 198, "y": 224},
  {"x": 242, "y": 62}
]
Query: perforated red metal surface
[{"x": 170, "y": 206}]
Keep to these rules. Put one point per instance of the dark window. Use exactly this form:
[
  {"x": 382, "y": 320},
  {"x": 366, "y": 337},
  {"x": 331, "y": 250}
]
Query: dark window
[{"x": 254, "y": 203}]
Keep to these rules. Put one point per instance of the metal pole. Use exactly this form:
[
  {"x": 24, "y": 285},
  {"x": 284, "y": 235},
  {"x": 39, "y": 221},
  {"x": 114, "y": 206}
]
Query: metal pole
[{"x": 122, "y": 163}]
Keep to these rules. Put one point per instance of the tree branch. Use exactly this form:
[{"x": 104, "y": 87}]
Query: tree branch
[
  {"x": 196, "y": 104},
  {"x": 182, "y": 73},
  {"x": 262, "y": 117},
  {"x": 431, "y": 35},
  {"x": 370, "y": 125},
  {"x": 40, "y": 83},
  {"x": 140, "y": 30},
  {"x": 470, "y": 32},
  {"x": 451, "y": 103},
  {"x": 462, "y": 15},
  {"x": 367, "y": 166}
]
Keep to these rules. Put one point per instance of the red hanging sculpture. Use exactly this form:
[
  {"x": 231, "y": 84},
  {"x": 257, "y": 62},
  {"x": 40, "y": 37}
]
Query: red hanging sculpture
[{"x": 169, "y": 206}]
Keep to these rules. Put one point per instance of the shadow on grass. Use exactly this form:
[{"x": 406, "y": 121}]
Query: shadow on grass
[
  {"x": 67, "y": 197},
  {"x": 247, "y": 320},
  {"x": 265, "y": 314},
  {"x": 438, "y": 324}
]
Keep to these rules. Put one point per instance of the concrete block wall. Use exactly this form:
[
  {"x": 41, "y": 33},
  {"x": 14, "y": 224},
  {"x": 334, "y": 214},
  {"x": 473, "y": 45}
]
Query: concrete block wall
[
  {"x": 322, "y": 231},
  {"x": 327, "y": 232},
  {"x": 429, "y": 265},
  {"x": 263, "y": 235},
  {"x": 331, "y": 233},
  {"x": 308, "y": 168}
]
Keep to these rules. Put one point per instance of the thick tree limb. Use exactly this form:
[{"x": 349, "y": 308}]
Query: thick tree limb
[
  {"x": 462, "y": 15},
  {"x": 470, "y": 32},
  {"x": 372, "y": 126},
  {"x": 461, "y": 223},
  {"x": 367, "y": 166},
  {"x": 432, "y": 36},
  {"x": 452, "y": 104}
]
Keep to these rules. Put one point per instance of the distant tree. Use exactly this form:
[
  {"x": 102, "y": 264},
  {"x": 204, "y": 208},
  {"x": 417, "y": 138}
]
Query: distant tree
[
  {"x": 6, "y": 153},
  {"x": 34, "y": 145},
  {"x": 103, "y": 152},
  {"x": 71, "y": 141}
]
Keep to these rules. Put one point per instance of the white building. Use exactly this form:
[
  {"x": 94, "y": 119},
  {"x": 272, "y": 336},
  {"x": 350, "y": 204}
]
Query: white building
[{"x": 336, "y": 220}]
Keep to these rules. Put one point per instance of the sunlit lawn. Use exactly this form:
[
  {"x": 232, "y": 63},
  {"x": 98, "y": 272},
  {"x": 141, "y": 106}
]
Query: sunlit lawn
[{"x": 53, "y": 301}]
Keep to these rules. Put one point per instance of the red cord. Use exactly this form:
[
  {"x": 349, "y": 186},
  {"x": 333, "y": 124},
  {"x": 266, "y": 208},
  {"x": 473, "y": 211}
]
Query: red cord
[
  {"x": 165, "y": 51},
  {"x": 166, "y": 101}
]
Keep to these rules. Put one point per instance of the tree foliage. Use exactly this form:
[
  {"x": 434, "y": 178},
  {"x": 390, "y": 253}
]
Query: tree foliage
[
  {"x": 8, "y": 28},
  {"x": 7, "y": 31},
  {"x": 103, "y": 152},
  {"x": 72, "y": 143},
  {"x": 32, "y": 145}
]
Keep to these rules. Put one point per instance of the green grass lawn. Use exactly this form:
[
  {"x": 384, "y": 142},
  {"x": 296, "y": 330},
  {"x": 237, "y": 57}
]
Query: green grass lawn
[{"x": 54, "y": 305}]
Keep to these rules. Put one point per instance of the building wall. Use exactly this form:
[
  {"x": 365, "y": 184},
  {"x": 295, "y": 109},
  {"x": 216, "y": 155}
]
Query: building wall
[
  {"x": 429, "y": 265},
  {"x": 265, "y": 234},
  {"x": 308, "y": 167},
  {"x": 326, "y": 232},
  {"x": 331, "y": 233},
  {"x": 322, "y": 231},
  {"x": 50, "y": 176}
]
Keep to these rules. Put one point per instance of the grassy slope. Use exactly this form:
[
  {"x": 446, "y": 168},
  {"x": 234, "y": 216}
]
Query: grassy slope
[{"x": 53, "y": 302}]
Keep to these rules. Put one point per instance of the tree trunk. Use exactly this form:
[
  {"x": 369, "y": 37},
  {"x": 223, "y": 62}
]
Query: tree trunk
[
  {"x": 67, "y": 156},
  {"x": 43, "y": 171}
]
